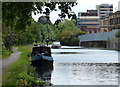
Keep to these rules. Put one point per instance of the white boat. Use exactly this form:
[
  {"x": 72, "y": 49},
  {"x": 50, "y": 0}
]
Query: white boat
[{"x": 56, "y": 45}]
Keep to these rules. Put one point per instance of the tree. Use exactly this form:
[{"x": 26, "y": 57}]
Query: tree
[
  {"x": 22, "y": 11},
  {"x": 16, "y": 15},
  {"x": 67, "y": 33},
  {"x": 45, "y": 29}
]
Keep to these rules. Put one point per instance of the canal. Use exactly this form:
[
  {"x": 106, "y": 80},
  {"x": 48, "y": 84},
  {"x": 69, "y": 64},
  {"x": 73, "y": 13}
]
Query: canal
[{"x": 84, "y": 66}]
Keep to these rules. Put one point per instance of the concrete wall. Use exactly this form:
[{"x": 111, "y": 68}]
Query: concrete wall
[
  {"x": 114, "y": 44},
  {"x": 104, "y": 40},
  {"x": 103, "y": 36}
]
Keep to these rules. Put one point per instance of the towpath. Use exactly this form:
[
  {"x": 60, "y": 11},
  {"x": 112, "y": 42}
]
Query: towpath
[{"x": 4, "y": 63}]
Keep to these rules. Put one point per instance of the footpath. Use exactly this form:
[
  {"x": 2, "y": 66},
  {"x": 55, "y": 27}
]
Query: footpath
[{"x": 4, "y": 63}]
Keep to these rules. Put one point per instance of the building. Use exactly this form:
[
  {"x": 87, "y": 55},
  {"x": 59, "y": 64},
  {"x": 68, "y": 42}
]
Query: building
[
  {"x": 104, "y": 10},
  {"x": 89, "y": 21},
  {"x": 111, "y": 22},
  {"x": 119, "y": 6}
]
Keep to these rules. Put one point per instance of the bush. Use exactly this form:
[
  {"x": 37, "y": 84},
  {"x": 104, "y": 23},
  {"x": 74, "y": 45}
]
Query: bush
[
  {"x": 6, "y": 53},
  {"x": 67, "y": 33},
  {"x": 117, "y": 34}
]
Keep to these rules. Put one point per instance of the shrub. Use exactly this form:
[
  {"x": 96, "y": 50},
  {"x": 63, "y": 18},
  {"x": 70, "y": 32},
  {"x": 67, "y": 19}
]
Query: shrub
[
  {"x": 117, "y": 34},
  {"x": 6, "y": 53}
]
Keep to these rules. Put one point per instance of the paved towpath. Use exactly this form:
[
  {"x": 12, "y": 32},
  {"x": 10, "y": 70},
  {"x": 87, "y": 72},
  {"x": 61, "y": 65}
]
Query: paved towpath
[{"x": 4, "y": 63}]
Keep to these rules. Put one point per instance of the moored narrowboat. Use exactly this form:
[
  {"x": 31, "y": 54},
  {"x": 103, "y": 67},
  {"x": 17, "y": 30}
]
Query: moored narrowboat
[{"x": 41, "y": 56}]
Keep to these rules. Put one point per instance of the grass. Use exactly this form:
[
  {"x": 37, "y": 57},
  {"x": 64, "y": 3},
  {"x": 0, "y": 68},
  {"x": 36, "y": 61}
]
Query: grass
[
  {"x": 21, "y": 73},
  {"x": 21, "y": 65}
]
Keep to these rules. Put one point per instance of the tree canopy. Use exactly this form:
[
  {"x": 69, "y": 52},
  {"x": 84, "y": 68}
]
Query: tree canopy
[
  {"x": 17, "y": 14},
  {"x": 20, "y": 28},
  {"x": 67, "y": 32}
]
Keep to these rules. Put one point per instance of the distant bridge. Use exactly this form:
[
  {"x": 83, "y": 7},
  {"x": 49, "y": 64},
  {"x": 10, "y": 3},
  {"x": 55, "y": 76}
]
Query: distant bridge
[{"x": 97, "y": 39}]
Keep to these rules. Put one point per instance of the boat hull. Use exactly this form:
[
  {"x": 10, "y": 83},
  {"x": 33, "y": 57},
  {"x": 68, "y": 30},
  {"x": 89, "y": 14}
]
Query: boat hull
[
  {"x": 42, "y": 63},
  {"x": 56, "y": 47},
  {"x": 41, "y": 57}
]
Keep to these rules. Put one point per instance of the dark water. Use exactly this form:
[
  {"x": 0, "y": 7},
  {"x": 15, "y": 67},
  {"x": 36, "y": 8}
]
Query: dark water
[{"x": 79, "y": 66}]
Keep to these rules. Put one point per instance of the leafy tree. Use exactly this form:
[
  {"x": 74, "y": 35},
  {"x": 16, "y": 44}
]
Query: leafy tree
[
  {"x": 31, "y": 34},
  {"x": 67, "y": 33},
  {"x": 22, "y": 11},
  {"x": 17, "y": 15}
]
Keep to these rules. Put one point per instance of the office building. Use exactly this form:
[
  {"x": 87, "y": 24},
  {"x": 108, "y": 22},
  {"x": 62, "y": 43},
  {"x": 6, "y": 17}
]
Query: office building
[
  {"x": 104, "y": 10},
  {"x": 110, "y": 23},
  {"x": 89, "y": 21}
]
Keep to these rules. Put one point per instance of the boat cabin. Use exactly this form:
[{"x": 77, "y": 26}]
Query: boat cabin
[{"x": 41, "y": 50}]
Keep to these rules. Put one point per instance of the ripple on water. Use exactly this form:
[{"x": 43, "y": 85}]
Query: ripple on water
[{"x": 88, "y": 73}]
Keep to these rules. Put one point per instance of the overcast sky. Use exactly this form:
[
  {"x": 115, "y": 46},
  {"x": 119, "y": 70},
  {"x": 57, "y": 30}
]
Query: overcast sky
[{"x": 82, "y": 6}]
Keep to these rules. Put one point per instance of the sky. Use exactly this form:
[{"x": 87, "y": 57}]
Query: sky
[{"x": 82, "y": 6}]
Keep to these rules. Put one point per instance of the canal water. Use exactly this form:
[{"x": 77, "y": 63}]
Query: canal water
[{"x": 83, "y": 66}]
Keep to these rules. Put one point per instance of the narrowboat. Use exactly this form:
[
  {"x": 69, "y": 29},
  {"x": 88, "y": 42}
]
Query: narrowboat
[{"x": 41, "y": 56}]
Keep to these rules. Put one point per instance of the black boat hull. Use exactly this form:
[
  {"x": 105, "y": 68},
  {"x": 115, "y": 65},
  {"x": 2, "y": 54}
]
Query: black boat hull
[{"x": 42, "y": 63}]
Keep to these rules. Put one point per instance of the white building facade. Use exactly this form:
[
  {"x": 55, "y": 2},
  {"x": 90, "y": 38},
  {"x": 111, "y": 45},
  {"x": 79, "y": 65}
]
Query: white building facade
[
  {"x": 89, "y": 21},
  {"x": 104, "y": 10}
]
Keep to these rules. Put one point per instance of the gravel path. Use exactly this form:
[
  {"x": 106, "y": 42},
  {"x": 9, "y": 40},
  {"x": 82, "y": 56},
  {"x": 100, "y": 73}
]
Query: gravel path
[{"x": 4, "y": 63}]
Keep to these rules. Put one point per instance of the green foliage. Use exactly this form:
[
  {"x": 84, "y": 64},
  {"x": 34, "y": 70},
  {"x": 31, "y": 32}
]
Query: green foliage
[
  {"x": 29, "y": 36},
  {"x": 18, "y": 23},
  {"x": 117, "y": 34},
  {"x": 21, "y": 73},
  {"x": 67, "y": 33},
  {"x": 17, "y": 14},
  {"x": 26, "y": 79},
  {"x": 6, "y": 53},
  {"x": 46, "y": 29}
]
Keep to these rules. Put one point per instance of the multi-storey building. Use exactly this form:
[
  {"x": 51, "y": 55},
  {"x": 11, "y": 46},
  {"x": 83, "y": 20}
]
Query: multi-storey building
[
  {"x": 89, "y": 21},
  {"x": 111, "y": 22},
  {"x": 104, "y": 10}
]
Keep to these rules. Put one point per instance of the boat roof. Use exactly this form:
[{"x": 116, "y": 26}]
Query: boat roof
[
  {"x": 41, "y": 49},
  {"x": 56, "y": 42}
]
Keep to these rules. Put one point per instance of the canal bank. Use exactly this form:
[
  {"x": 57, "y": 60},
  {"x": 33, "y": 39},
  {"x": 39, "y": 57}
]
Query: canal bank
[
  {"x": 113, "y": 44},
  {"x": 20, "y": 72}
]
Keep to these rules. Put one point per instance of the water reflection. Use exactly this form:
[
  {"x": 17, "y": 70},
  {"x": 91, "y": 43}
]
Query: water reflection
[
  {"x": 86, "y": 74},
  {"x": 44, "y": 73}
]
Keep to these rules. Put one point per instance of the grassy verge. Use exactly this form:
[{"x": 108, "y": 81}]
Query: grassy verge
[{"x": 20, "y": 73}]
